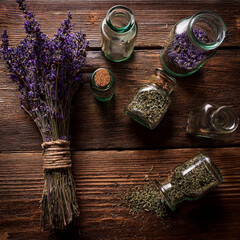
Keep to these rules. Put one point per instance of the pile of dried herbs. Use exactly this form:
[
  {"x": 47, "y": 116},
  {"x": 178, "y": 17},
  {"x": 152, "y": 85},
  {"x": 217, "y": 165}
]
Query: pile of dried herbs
[
  {"x": 146, "y": 198},
  {"x": 188, "y": 181}
]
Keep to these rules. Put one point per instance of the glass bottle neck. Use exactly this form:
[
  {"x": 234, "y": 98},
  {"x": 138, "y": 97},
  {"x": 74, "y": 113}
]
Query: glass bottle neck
[
  {"x": 206, "y": 29},
  {"x": 164, "y": 80},
  {"x": 164, "y": 187},
  {"x": 225, "y": 120},
  {"x": 120, "y": 19}
]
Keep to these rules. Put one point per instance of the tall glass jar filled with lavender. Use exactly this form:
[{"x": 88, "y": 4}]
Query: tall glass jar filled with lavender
[
  {"x": 118, "y": 33},
  {"x": 191, "y": 42}
]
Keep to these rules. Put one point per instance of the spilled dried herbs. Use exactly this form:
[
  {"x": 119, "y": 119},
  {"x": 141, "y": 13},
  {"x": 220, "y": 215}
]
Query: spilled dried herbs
[
  {"x": 188, "y": 181},
  {"x": 146, "y": 198}
]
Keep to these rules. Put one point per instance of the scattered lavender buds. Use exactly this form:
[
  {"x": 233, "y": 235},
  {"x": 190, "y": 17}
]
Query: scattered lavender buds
[
  {"x": 48, "y": 72},
  {"x": 183, "y": 52}
]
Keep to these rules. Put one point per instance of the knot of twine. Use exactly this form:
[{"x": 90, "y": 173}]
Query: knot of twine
[{"x": 56, "y": 154}]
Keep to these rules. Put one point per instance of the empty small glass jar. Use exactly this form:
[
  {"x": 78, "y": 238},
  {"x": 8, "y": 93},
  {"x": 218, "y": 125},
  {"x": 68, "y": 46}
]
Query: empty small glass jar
[
  {"x": 102, "y": 84},
  {"x": 210, "y": 120},
  {"x": 191, "y": 42},
  {"x": 151, "y": 101},
  {"x": 190, "y": 180},
  {"x": 118, "y": 33}
]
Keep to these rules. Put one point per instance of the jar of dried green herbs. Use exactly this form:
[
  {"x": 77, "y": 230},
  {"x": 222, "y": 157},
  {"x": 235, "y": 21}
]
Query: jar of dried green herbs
[
  {"x": 190, "y": 180},
  {"x": 151, "y": 101},
  {"x": 191, "y": 42}
]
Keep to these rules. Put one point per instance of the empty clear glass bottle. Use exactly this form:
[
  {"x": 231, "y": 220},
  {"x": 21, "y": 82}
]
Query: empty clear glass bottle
[
  {"x": 210, "y": 120},
  {"x": 118, "y": 33},
  {"x": 191, "y": 42},
  {"x": 151, "y": 101},
  {"x": 190, "y": 180}
]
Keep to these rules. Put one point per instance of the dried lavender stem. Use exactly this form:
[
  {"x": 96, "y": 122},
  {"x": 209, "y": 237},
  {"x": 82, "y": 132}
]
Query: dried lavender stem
[
  {"x": 48, "y": 73},
  {"x": 59, "y": 202}
]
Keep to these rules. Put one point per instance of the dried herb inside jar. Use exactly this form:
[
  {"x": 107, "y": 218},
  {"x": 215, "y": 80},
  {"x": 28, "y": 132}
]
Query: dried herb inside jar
[
  {"x": 151, "y": 101},
  {"x": 188, "y": 181},
  {"x": 184, "y": 53},
  {"x": 148, "y": 105}
]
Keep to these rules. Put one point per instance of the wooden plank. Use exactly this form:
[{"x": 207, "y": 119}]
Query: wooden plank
[
  {"x": 104, "y": 126},
  {"x": 101, "y": 177},
  {"x": 155, "y": 18}
]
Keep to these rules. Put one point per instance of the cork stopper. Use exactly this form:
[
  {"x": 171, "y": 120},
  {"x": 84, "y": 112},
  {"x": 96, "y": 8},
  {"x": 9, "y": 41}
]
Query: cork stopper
[
  {"x": 163, "y": 80},
  {"x": 102, "y": 77}
]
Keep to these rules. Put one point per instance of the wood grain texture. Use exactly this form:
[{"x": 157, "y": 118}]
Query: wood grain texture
[
  {"x": 101, "y": 177},
  {"x": 155, "y": 18},
  {"x": 104, "y": 126},
  {"x": 112, "y": 152}
]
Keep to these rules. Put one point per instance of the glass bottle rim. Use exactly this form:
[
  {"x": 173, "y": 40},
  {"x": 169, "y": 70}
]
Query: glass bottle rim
[
  {"x": 215, "y": 115},
  {"x": 94, "y": 85},
  {"x": 122, "y": 29},
  {"x": 221, "y": 29},
  {"x": 211, "y": 166}
]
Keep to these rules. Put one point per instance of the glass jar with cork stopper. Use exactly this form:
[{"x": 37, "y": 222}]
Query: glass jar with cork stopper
[
  {"x": 102, "y": 84},
  {"x": 151, "y": 101}
]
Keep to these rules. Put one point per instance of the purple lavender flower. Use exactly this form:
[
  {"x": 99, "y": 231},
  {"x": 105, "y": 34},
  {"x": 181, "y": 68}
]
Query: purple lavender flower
[
  {"x": 48, "y": 71},
  {"x": 184, "y": 54}
]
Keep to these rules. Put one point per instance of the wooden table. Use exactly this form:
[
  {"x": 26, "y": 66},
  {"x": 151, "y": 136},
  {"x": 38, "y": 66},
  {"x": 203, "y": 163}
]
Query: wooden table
[{"x": 110, "y": 151}]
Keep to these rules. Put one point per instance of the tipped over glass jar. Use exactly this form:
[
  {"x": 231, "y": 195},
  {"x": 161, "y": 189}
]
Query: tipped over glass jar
[
  {"x": 210, "y": 121},
  {"x": 191, "y": 42},
  {"x": 151, "y": 101},
  {"x": 190, "y": 180}
]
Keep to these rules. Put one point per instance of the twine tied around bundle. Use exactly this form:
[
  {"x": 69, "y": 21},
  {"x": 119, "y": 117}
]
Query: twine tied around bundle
[{"x": 56, "y": 154}]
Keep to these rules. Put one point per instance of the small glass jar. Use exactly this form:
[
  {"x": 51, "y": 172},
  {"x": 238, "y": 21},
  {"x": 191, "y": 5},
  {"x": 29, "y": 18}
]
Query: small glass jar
[
  {"x": 210, "y": 120},
  {"x": 118, "y": 33},
  {"x": 102, "y": 84},
  {"x": 151, "y": 101},
  {"x": 191, "y": 42},
  {"x": 190, "y": 180}
]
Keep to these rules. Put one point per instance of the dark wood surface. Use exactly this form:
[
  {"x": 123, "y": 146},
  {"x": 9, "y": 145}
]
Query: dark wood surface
[{"x": 110, "y": 151}]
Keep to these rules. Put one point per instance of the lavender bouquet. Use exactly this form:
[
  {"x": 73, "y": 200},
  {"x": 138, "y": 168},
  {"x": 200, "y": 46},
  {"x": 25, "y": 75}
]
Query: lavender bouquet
[{"x": 48, "y": 71}]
